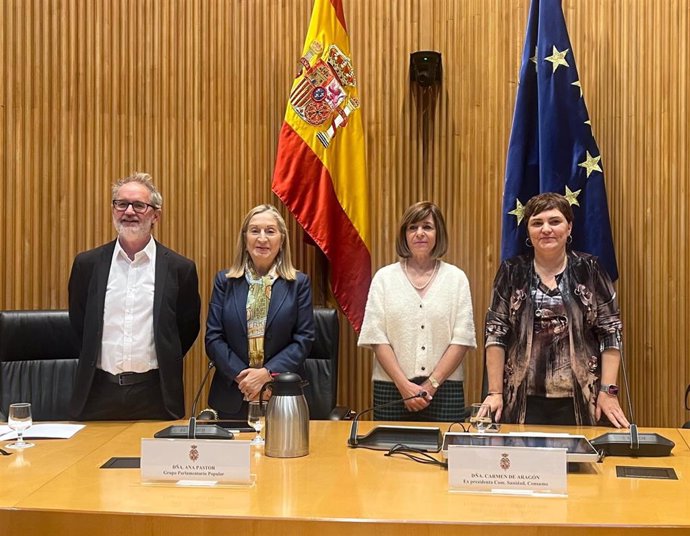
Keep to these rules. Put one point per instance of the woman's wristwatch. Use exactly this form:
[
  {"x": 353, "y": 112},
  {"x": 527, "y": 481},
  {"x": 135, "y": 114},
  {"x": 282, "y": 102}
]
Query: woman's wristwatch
[
  {"x": 609, "y": 388},
  {"x": 434, "y": 383}
]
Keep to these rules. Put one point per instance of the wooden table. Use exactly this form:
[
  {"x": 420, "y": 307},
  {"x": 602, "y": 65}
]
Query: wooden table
[
  {"x": 685, "y": 434},
  {"x": 334, "y": 490},
  {"x": 26, "y": 471}
]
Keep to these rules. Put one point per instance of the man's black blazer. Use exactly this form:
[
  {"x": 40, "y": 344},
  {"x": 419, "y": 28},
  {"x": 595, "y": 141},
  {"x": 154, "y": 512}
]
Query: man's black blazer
[{"x": 176, "y": 307}]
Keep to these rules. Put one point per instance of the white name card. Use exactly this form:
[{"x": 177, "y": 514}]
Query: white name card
[
  {"x": 195, "y": 462},
  {"x": 510, "y": 470}
]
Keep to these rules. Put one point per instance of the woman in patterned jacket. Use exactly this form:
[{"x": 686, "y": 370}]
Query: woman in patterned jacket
[{"x": 553, "y": 329}]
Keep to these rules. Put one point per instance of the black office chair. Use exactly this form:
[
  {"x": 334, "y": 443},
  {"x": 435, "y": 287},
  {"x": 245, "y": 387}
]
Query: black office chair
[
  {"x": 38, "y": 362},
  {"x": 321, "y": 367}
]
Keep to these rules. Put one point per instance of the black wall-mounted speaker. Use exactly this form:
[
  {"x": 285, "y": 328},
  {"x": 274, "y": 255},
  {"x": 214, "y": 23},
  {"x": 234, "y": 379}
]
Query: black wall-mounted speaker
[{"x": 426, "y": 68}]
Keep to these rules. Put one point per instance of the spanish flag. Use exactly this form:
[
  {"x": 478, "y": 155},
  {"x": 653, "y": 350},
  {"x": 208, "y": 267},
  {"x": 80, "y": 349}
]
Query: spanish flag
[{"x": 320, "y": 171}]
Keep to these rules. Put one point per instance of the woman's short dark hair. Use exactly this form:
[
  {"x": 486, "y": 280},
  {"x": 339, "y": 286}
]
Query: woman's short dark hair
[
  {"x": 416, "y": 213},
  {"x": 548, "y": 201}
]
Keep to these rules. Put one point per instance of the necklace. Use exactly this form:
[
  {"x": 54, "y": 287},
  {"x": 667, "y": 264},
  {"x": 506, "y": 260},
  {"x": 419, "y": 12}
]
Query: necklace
[
  {"x": 431, "y": 277},
  {"x": 543, "y": 273},
  {"x": 542, "y": 298},
  {"x": 539, "y": 294}
]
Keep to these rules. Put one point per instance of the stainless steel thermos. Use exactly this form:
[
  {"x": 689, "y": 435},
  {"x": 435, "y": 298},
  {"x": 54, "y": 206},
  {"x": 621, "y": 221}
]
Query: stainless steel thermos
[{"x": 287, "y": 417}]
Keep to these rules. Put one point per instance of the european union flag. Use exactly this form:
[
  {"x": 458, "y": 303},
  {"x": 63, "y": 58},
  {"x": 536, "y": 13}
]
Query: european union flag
[{"x": 552, "y": 148}]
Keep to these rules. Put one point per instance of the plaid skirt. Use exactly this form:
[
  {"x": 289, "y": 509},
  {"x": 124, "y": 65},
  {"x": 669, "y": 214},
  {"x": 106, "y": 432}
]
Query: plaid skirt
[{"x": 448, "y": 404}]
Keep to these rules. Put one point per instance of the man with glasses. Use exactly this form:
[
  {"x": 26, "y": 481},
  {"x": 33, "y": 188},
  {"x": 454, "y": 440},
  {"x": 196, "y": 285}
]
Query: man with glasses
[{"x": 134, "y": 305}]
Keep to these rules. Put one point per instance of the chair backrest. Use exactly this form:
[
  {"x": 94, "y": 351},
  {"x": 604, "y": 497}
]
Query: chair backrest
[
  {"x": 38, "y": 362},
  {"x": 321, "y": 366}
]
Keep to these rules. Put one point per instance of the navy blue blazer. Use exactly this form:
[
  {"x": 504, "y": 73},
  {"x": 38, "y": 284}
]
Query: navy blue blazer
[{"x": 288, "y": 336}]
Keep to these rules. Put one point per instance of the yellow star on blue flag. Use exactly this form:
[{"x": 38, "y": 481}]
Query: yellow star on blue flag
[
  {"x": 518, "y": 211},
  {"x": 591, "y": 164},
  {"x": 572, "y": 196},
  {"x": 558, "y": 58}
]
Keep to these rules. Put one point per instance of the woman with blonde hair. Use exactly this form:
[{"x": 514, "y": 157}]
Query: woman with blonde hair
[{"x": 260, "y": 318}]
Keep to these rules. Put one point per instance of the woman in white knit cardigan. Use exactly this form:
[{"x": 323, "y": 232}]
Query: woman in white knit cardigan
[{"x": 419, "y": 323}]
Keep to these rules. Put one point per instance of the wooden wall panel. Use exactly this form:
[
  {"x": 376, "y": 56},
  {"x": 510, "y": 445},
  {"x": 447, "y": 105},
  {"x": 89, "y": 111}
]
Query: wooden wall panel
[{"x": 194, "y": 92}]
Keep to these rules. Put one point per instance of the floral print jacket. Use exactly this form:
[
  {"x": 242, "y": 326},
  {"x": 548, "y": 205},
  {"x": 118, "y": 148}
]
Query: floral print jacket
[{"x": 593, "y": 325}]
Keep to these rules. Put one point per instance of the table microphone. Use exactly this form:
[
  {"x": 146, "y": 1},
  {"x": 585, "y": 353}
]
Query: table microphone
[
  {"x": 353, "y": 441},
  {"x": 191, "y": 434},
  {"x": 632, "y": 443},
  {"x": 192, "y": 431}
]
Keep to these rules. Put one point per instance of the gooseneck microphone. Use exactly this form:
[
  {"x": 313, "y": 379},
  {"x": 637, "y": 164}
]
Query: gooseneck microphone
[
  {"x": 353, "y": 441},
  {"x": 634, "y": 435},
  {"x": 191, "y": 431},
  {"x": 632, "y": 443}
]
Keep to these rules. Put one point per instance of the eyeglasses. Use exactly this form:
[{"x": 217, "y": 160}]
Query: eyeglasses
[{"x": 138, "y": 206}]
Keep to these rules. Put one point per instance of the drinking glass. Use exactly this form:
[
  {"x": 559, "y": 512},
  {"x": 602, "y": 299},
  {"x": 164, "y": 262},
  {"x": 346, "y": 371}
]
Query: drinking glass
[
  {"x": 19, "y": 419},
  {"x": 256, "y": 417},
  {"x": 481, "y": 417}
]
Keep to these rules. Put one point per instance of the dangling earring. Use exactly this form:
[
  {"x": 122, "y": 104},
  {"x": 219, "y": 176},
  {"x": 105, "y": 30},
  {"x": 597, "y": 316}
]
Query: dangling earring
[
  {"x": 528, "y": 242},
  {"x": 569, "y": 240}
]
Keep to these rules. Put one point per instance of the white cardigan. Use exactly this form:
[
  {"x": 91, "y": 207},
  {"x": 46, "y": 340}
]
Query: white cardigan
[{"x": 418, "y": 329}]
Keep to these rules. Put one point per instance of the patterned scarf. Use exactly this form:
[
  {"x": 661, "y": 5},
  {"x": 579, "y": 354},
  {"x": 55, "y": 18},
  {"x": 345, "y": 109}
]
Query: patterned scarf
[{"x": 258, "y": 300}]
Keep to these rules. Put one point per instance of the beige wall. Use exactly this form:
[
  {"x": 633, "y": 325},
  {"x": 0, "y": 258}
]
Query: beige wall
[{"x": 194, "y": 93}]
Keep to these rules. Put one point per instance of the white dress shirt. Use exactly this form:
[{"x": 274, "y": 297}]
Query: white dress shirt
[
  {"x": 418, "y": 329},
  {"x": 128, "y": 343}
]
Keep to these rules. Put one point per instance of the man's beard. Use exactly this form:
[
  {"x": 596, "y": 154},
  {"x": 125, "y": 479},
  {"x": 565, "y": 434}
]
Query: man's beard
[{"x": 142, "y": 229}]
